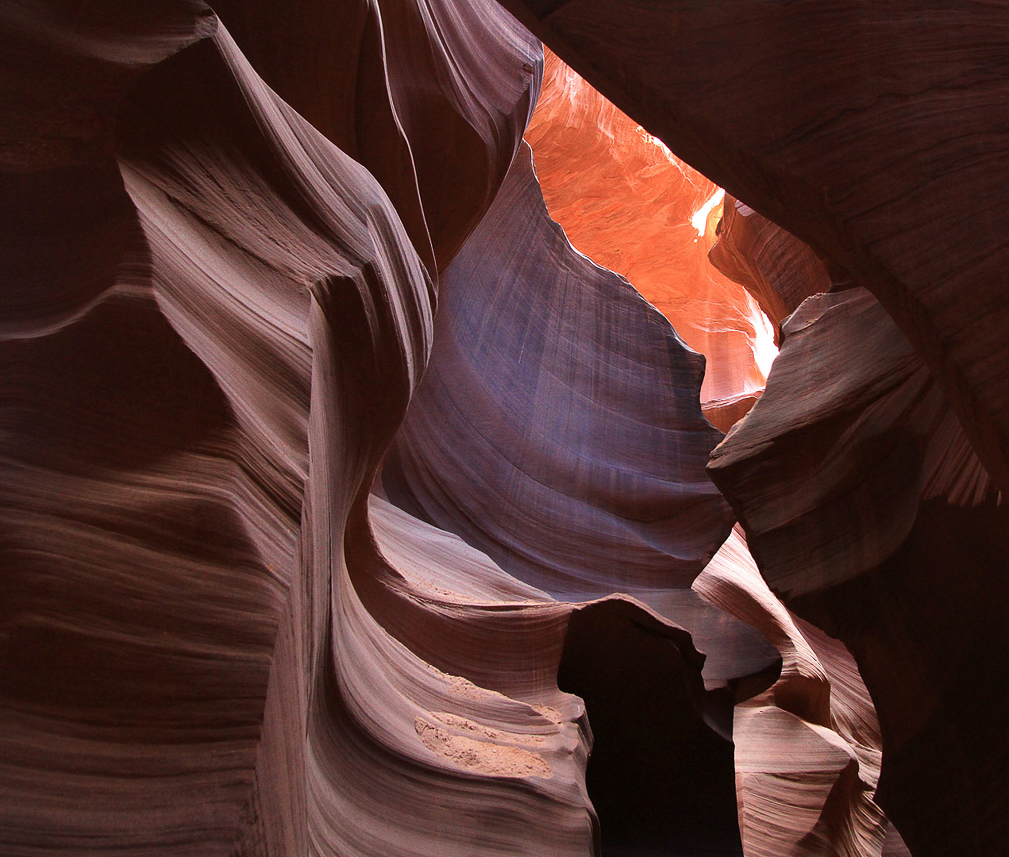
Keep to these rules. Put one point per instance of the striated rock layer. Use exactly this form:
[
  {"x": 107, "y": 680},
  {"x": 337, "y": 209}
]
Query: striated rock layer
[
  {"x": 558, "y": 426},
  {"x": 851, "y": 399},
  {"x": 216, "y": 639},
  {"x": 807, "y": 750},
  {"x": 778, "y": 269},
  {"x": 862, "y": 547},
  {"x": 537, "y": 435},
  {"x": 879, "y": 445},
  {"x": 852, "y": 464},
  {"x": 349, "y": 509},
  {"x": 193, "y": 420}
]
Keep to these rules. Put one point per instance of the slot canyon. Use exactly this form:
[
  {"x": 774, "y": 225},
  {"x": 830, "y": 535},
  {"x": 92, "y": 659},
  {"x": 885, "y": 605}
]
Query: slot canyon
[{"x": 504, "y": 427}]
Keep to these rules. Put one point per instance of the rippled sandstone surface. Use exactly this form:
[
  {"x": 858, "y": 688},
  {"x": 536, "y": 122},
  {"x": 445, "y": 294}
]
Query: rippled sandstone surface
[{"x": 350, "y": 505}]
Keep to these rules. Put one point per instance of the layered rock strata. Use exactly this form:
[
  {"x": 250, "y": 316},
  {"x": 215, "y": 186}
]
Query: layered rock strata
[
  {"x": 774, "y": 266},
  {"x": 860, "y": 547},
  {"x": 885, "y": 447},
  {"x": 348, "y": 509}
]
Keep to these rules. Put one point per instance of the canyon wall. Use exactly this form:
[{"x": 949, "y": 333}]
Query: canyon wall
[{"x": 362, "y": 491}]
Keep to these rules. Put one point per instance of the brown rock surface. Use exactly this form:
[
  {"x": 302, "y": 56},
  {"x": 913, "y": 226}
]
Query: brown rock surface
[
  {"x": 558, "y": 429},
  {"x": 558, "y": 425},
  {"x": 858, "y": 488},
  {"x": 850, "y": 395},
  {"x": 298, "y": 559},
  {"x": 774, "y": 266},
  {"x": 430, "y": 96},
  {"x": 208, "y": 647},
  {"x": 188, "y": 430},
  {"x": 807, "y": 750}
]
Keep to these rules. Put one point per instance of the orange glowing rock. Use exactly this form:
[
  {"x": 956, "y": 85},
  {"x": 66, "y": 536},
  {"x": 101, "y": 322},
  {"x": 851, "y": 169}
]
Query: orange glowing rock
[{"x": 632, "y": 206}]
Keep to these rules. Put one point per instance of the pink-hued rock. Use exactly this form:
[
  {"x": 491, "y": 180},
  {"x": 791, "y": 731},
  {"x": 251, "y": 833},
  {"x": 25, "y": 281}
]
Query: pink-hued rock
[
  {"x": 807, "y": 750},
  {"x": 569, "y": 457},
  {"x": 301, "y": 558},
  {"x": 217, "y": 639},
  {"x": 853, "y": 399},
  {"x": 189, "y": 667},
  {"x": 632, "y": 206},
  {"x": 778, "y": 269},
  {"x": 431, "y": 96},
  {"x": 723, "y": 414},
  {"x": 558, "y": 426},
  {"x": 859, "y": 492},
  {"x": 881, "y": 456}
]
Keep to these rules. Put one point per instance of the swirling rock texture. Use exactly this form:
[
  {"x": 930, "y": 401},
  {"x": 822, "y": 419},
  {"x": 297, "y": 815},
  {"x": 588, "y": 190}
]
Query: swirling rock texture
[
  {"x": 887, "y": 447},
  {"x": 881, "y": 432},
  {"x": 857, "y": 159},
  {"x": 869, "y": 133},
  {"x": 349, "y": 509}
]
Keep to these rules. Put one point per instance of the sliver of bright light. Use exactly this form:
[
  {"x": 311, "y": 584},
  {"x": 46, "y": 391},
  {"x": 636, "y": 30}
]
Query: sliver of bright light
[{"x": 699, "y": 220}]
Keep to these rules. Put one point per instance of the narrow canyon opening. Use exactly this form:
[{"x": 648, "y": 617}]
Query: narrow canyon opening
[
  {"x": 660, "y": 780},
  {"x": 631, "y": 205}
]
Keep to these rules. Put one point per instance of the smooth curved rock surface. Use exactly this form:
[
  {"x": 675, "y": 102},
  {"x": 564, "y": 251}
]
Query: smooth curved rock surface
[
  {"x": 807, "y": 750},
  {"x": 862, "y": 547},
  {"x": 473, "y": 411},
  {"x": 558, "y": 427},
  {"x": 431, "y": 96},
  {"x": 851, "y": 397},
  {"x": 189, "y": 434},
  {"x": 234, "y": 622},
  {"x": 850, "y": 401},
  {"x": 236, "y": 321},
  {"x": 778, "y": 269}
]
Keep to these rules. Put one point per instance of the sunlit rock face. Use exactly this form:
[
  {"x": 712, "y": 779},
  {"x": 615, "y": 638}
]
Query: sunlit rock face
[
  {"x": 215, "y": 638},
  {"x": 857, "y": 141},
  {"x": 349, "y": 509},
  {"x": 850, "y": 394},
  {"x": 556, "y": 394},
  {"x": 774, "y": 266},
  {"x": 868, "y": 475},
  {"x": 632, "y": 206}
]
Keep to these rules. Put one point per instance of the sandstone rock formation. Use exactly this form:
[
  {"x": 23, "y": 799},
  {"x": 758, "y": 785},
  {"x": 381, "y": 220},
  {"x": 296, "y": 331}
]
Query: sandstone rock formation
[
  {"x": 778, "y": 269},
  {"x": 632, "y": 206},
  {"x": 349, "y": 509},
  {"x": 858, "y": 158},
  {"x": 886, "y": 448}
]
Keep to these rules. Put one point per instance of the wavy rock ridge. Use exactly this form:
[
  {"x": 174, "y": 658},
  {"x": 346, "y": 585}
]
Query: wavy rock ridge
[{"x": 349, "y": 509}]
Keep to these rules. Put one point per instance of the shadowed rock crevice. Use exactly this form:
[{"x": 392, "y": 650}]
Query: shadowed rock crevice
[
  {"x": 932, "y": 655},
  {"x": 660, "y": 778}
]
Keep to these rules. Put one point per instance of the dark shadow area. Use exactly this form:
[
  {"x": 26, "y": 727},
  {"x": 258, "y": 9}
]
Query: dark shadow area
[
  {"x": 928, "y": 630},
  {"x": 661, "y": 780}
]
